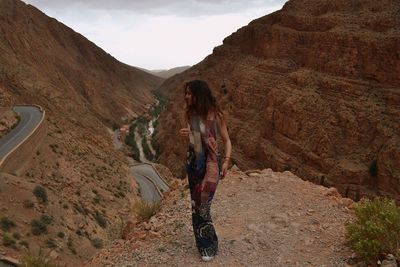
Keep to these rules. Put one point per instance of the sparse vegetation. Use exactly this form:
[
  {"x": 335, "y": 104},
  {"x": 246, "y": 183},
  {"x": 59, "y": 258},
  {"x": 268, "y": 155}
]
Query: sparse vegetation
[
  {"x": 146, "y": 149},
  {"x": 101, "y": 220},
  {"x": 70, "y": 245},
  {"x": 97, "y": 243},
  {"x": 17, "y": 122},
  {"x": 40, "y": 260},
  {"x": 376, "y": 231},
  {"x": 115, "y": 126},
  {"x": 130, "y": 141},
  {"x": 51, "y": 243},
  {"x": 24, "y": 243},
  {"x": 28, "y": 204},
  {"x": 38, "y": 227},
  {"x": 41, "y": 194},
  {"x": 8, "y": 241},
  {"x": 46, "y": 219},
  {"x": 16, "y": 236},
  {"x": 60, "y": 235},
  {"x": 6, "y": 224},
  {"x": 144, "y": 210}
]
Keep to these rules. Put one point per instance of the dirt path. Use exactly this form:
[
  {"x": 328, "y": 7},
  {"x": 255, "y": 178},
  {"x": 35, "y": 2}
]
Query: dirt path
[{"x": 262, "y": 219}]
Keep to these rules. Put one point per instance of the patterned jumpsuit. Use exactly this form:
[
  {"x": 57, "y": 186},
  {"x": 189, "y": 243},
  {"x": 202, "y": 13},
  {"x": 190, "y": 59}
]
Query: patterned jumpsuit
[{"x": 203, "y": 174}]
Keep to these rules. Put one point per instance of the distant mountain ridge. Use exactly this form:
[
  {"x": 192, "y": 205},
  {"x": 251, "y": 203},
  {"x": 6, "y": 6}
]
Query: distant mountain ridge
[{"x": 167, "y": 73}]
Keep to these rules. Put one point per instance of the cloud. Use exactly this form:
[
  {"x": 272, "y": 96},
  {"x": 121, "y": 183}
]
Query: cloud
[
  {"x": 159, "y": 7},
  {"x": 157, "y": 34}
]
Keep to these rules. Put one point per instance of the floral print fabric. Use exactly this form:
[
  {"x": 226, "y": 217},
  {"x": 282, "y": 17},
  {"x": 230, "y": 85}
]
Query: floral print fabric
[{"x": 203, "y": 175}]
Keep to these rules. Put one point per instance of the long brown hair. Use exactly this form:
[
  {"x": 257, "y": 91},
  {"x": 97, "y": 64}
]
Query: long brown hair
[{"x": 203, "y": 100}]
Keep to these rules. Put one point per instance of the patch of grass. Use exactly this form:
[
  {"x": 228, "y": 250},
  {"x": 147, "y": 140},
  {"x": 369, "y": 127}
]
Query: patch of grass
[
  {"x": 144, "y": 210},
  {"x": 6, "y": 224},
  {"x": 376, "y": 230},
  {"x": 39, "y": 260},
  {"x": 38, "y": 227},
  {"x": 41, "y": 194}
]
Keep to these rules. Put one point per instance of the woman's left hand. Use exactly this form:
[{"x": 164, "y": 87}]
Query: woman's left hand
[{"x": 224, "y": 168}]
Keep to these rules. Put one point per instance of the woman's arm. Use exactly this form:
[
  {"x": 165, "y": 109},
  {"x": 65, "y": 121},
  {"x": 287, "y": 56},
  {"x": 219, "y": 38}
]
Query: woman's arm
[{"x": 223, "y": 130}]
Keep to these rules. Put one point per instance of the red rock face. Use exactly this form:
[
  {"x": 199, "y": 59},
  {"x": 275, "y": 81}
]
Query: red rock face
[{"x": 313, "y": 88}]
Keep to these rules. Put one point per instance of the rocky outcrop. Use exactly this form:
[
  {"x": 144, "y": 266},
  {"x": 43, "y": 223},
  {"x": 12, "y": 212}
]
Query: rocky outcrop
[{"x": 313, "y": 88}]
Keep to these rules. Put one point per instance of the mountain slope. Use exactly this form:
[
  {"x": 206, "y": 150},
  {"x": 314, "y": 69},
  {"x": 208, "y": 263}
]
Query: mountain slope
[
  {"x": 312, "y": 88},
  {"x": 84, "y": 91}
]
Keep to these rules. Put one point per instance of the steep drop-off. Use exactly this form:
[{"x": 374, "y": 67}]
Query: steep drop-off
[
  {"x": 313, "y": 88},
  {"x": 84, "y": 91}
]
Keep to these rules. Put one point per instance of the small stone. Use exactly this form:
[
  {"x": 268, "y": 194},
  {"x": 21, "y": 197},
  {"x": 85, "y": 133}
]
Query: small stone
[
  {"x": 389, "y": 261},
  {"x": 235, "y": 168},
  {"x": 54, "y": 255}
]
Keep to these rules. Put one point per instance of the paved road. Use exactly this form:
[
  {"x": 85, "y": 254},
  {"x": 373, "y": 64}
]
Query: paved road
[
  {"x": 30, "y": 117},
  {"x": 147, "y": 170},
  {"x": 148, "y": 179},
  {"x": 148, "y": 190}
]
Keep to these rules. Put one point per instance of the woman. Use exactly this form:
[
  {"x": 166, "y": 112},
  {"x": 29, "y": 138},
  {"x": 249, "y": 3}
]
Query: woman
[{"x": 204, "y": 119}]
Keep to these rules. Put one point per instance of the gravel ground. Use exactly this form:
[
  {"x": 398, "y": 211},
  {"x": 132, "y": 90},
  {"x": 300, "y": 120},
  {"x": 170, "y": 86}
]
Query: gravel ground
[{"x": 263, "y": 218}]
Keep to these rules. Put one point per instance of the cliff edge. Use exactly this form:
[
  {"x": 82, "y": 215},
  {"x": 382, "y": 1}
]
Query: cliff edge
[{"x": 263, "y": 218}]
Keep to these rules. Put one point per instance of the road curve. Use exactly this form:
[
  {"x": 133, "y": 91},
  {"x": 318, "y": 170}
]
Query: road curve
[
  {"x": 151, "y": 185},
  {"x": 148, "y": 171},
  {"x": 148, "y": 190},
  {"x": 30, "y": 117}
]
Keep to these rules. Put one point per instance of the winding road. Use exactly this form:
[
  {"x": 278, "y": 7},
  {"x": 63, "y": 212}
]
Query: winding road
[
  {"x": 30, "y": 117},
  {"x": 151, "y": 184}
]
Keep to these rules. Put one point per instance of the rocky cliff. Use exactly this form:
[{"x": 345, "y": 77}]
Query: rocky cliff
[
  {"x": 84, "y": 91},
  {"x": 313, "y": 88}
]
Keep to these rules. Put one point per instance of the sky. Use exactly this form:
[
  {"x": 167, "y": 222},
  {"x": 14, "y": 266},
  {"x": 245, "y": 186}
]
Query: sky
[{"x": 157, "y": 34}]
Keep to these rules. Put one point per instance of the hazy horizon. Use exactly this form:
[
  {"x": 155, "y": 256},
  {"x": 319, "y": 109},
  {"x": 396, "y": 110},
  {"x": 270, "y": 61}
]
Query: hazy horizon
[{"x": 155, "y": 34}]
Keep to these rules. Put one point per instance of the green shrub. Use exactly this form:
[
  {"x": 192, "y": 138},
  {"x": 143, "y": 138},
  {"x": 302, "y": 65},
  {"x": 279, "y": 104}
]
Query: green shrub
[
  {"x": 16, "y": 236},
  {"x": 51, "y": 243},
  {"x": 144, "y": 210},
  {"x": 101, "y": 220},
  {"x": 6, "y": 223},
  {"x": 60, "y": 234},
  {"x": 40, "y": 193},
  {"x": 46, "y": 219},
  {"x": 8, "y": 241},
  {"x": 376, "y": 230},
  {"x": 38, "y": 227},
  {"x": 97, "y": 243}
]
